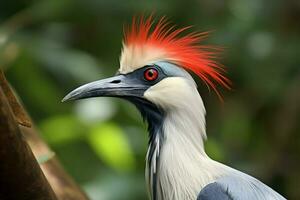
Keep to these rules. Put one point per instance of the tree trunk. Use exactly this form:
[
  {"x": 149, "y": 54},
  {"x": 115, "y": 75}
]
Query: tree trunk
[
  {"x": 20, "y": 174},
  {"x": 21, "y": 177}
]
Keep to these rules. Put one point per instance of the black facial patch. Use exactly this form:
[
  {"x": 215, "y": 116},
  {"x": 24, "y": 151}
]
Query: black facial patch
[
  {"x": 164, "y": 69},
  {"x": 138, "y": 75}
]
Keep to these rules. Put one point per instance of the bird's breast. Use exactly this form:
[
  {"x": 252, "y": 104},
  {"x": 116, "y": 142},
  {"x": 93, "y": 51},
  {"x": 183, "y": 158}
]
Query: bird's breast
[{"x": 179, "y": 174}]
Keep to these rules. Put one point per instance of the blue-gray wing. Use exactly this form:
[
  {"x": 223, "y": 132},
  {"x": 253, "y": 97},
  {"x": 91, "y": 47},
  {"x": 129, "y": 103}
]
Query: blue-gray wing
[
  {"x": 239, "y": 186},
  {"x": 214, "y": 191}
]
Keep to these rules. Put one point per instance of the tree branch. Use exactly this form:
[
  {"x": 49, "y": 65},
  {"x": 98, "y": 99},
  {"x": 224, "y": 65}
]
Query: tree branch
[
  {"x": 63, "y": 185},
  {"x": 21, "y": 176}
]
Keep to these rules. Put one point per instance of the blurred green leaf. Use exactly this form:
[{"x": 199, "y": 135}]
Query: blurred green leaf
[
  {"x": 61, "y": 129},
  {"x": 35, "y": 85},
  {"x": 236, "y": 126},
  {"x": 111, "y": 145},
  {"x": 214, "y": 150}
]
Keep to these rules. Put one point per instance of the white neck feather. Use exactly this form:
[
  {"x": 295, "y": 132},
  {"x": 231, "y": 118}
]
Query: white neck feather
[{"x": 183, "y": 168}]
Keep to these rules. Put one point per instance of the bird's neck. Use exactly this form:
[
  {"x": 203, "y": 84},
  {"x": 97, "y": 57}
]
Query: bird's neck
[
  {"x": 182, "y": 166},
  {"x": 175, "y": 143},
  {"x": 184, "y": 126}
]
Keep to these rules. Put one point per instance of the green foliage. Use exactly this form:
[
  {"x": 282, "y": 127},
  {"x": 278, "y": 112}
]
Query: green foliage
[
  {"x": 61, "y": 129},
  {"x": 110, "y": 143},
  {"x": 213, "y": 150}
]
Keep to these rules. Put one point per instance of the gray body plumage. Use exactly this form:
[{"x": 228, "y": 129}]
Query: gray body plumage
[{"x": 238, "y": 186}]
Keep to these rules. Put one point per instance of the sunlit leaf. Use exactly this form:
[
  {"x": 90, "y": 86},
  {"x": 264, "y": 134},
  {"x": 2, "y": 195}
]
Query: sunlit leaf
[{"x": 111, "y": 145}]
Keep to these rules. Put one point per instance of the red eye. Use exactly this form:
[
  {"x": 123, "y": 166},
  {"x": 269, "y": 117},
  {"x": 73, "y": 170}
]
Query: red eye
[{"x": 150, "y": 74}]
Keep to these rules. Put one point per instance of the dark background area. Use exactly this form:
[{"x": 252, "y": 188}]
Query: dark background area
[{"x": 48, "y": 47}]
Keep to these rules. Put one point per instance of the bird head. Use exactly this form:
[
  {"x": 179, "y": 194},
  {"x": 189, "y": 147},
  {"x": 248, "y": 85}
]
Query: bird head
[{"x": 154, "y": 65}]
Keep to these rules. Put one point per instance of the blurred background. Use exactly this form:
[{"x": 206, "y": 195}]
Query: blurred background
[{"x": 49, "y": 47}]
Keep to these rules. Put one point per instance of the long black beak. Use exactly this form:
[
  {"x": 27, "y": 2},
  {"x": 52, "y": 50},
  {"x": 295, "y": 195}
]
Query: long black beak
[{"x": 117, "y": 86}]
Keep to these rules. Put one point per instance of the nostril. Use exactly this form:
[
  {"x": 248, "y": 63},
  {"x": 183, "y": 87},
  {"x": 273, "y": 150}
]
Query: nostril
[{"x": 116, "y": 81}]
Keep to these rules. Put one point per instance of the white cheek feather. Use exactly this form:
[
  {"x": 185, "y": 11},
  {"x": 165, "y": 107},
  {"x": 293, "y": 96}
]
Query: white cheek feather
[
  {"x": 184, "y": 168},
  {"x": 180, "y": 98}
]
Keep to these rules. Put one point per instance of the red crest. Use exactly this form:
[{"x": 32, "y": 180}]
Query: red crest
[{"x": 183, "y": 50}]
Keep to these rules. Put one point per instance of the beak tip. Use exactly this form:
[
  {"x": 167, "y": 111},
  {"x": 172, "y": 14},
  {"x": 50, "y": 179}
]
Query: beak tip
[{"x": 66, "y": 98}]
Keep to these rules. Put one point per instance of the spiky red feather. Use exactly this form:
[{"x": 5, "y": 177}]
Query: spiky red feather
[{"x": 183, "y": 50}]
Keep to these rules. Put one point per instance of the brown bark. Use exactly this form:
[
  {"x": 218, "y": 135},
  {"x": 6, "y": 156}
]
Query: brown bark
[
  {"x": 63, "y": 185},
  {"x": 16, "y": 107},
  {"x": 21, "y": 176}
]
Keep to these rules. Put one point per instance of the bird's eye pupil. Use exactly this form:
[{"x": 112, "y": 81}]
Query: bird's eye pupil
[{"x": 151, "y": 74}]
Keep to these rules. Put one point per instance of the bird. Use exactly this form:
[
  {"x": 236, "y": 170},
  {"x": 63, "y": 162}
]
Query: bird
[{"x": 155, "y": 74}]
